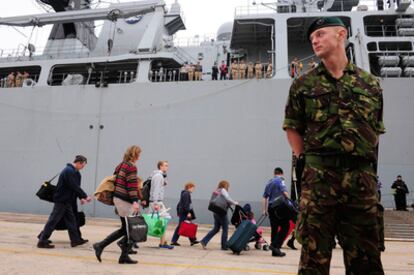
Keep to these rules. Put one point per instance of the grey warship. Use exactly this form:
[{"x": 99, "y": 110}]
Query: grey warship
[{"x": 96, "y": 95}]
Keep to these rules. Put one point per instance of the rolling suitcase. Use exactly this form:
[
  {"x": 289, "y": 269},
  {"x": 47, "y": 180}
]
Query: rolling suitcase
[{"x": 243, "y": 234}]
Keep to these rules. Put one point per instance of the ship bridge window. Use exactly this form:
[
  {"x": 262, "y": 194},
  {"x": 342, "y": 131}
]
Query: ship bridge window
[
  {"x": 299, "y": 47},
  {"x": 164, "y": 69},
  {"x": 96, "y": 73},
  {"x": 22, "y": 76}
]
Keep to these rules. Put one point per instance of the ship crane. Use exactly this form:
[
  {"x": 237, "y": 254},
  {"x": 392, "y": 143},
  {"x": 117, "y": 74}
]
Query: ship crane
[{"x": 121, "y": 11}]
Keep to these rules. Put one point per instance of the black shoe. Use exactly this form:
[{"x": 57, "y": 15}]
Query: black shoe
[
  {"x": 98, "y": 251},
  {"x": 224, "y": 248},
  {"x": 291, "y": 244},
  {"x": 277, "y": 253},
  {"x": 80, "y": 242},
  {"x": 127, "y": 260},
  {"x": 40, "y": 234},
  {"x": 45, "y": 244},
  {"x": 194, "y": 242},
  {"x": 175, "y": 244},
  {"x": 130, "y": 251},
  {"x": 135, "y": 245}
]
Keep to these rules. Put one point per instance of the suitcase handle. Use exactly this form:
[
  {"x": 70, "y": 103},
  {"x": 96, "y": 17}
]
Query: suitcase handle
[{"x": 261, "y": 220}]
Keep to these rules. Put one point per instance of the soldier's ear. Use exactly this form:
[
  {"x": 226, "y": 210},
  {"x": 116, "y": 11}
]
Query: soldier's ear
[{"x": 343, "y": 32}]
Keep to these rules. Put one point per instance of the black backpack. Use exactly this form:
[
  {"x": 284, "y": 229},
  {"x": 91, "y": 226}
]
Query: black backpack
[{"x": 146, "y": 189}]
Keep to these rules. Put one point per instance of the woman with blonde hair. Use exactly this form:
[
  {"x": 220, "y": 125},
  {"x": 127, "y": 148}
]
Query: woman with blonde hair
[
  {"x": 126, "y": 196},
  {"x": 220, "y": 221}
]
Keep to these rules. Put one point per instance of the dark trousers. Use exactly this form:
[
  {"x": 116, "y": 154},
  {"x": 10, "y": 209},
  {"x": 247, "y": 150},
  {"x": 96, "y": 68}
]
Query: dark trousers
[
  {"x": 75, "y": 212},
  {"x": 214, "y": 76},
  {"x": 400, "y": 201},
  {"x": 223, "y": 76},
  {"x": 219, "y": 221},
  {"x": 175, "y": 237},
  {"x": 183, "y": 76},
  {"x": 277, "y": 238},
  {"x": 121, "y": 232},
  {"x": 61, "y": 211}
]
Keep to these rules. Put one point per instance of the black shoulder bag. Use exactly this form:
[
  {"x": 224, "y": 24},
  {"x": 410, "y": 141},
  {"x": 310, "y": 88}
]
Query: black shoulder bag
[{"x": 47, "y": 190}]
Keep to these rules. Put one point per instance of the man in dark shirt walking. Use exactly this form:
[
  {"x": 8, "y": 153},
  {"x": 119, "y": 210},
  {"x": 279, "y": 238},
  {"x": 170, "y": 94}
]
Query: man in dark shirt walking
[
  {"x": 274, "y": 189},
  {"x": 67, "y": 190}
]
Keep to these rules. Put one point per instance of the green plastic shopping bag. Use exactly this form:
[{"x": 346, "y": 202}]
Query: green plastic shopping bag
[{"x": 156, "y": 224}]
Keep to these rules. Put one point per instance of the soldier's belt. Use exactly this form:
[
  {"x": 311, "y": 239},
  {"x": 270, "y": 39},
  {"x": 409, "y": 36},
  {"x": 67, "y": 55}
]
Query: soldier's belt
[{"x": 340, "y": 161}]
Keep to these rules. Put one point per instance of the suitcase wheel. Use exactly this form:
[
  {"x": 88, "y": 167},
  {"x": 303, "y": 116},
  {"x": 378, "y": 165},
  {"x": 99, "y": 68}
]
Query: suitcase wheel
[
  {"x": 266, "y": 247},
  {"x": 246, "y": 248},
  {"x": 258, "y": 246}
]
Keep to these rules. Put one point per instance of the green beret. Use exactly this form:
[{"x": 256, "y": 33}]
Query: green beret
[{"x": 323, "y": 22}]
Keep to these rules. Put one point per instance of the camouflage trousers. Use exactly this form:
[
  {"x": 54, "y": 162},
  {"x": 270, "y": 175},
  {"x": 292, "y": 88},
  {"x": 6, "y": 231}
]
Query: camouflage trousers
[{"x": 341, "y": 202}]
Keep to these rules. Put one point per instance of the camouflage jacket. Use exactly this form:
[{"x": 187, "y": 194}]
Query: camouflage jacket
[{"x": 335, "y": 117}]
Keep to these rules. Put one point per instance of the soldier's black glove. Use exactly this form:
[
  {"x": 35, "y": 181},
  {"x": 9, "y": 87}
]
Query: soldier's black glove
[{"x": 300, "y": 166}]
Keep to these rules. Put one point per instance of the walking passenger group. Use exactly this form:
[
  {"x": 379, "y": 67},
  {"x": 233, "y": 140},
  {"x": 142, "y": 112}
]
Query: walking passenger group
[
  {"x": 128, "y": 199},
  {"x": 333, "y": 128}
]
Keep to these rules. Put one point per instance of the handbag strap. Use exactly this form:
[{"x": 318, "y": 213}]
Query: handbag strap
[
  {"x": 127, "y": 228},
  {"x": 53, "y": 177},
  {"x": 155, "y": 212}
]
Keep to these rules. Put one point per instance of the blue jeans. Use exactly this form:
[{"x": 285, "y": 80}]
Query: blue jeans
[
  {"x": 219, "y": 221},
  {"x": 175, "y": 237}
]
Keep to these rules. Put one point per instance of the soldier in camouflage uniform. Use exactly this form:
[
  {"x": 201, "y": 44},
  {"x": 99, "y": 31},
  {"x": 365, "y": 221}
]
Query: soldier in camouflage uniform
[{"x": 333, "y": 119}]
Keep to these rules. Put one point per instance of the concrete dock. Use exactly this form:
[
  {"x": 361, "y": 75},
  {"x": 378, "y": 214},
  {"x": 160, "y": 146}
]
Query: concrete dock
[{"x": 19, "y": 254}]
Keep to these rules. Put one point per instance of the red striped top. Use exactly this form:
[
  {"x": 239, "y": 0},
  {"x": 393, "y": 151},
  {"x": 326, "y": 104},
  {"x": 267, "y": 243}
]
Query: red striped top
[{"x": 126, "y": 183}]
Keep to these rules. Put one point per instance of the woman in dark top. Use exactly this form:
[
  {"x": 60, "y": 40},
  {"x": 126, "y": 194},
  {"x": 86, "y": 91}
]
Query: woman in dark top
[
  {"x": 184, "y": 212},
  {"x": 126, "y": 196}
]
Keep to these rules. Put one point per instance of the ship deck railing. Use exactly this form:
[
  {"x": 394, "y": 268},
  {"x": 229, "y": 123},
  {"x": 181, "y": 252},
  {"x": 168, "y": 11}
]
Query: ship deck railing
[
  {"x": 21, "y": 53},
  {"x": 104, "y": 77},
  {"x": 261, "y": 8},
  {"x": 383, "y": 30},
  {"x": 175, "y": 74},
  {"x": 194, "y": 41}
]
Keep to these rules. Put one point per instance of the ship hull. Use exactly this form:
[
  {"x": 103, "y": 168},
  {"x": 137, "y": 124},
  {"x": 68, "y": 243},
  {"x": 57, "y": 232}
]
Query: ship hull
[{"x": 208, "y": 131}]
